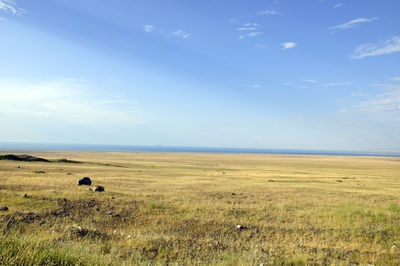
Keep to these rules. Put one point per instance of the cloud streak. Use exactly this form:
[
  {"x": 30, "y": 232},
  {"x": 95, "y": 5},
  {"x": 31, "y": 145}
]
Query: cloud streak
[
  {"x": 267, "y": 12},
  {"x": 353, "y": 23},
  {"x": 388, "y": 101},
  {"x": 339, "y": 5},
  {"x": 252, "y": 30},
  {"x": 388, "y": 46},
  {"x": 181, "y": 34},
  {"x": 11, "y": 6}
]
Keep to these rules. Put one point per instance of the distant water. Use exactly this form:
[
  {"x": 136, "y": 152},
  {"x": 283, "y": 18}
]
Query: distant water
[{"x": 81, "y": 147}]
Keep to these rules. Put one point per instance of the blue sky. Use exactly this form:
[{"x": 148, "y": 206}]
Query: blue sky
[{"x": 280, "y": 74}]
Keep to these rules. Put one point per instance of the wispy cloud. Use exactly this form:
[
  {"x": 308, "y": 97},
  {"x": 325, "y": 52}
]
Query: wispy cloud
[
  {"x": 388, "y": 46},
  {"x": 256, "y": 86},
  {"x": 341, "y": 4},
  {"x": 149, "y": 28},
  {"x": 11, "y": 6},
  {"x": 181, "y": 34},
  {"x": 68, "y": 100},
  {"x": 246, "y": 28},
  {"x": 353, "y": 23},
  {"x": 395, "y": 79},
  {"x": 288, "y": 45},
  {"x": 389, "y": 101},
  {"x": 267, "y": 12},
  {"x": 337, "y": 84},
  {"x": 252, "y": 30},
  {"x": 251, "y": 34},
  {"x": 309, "y": 80}
]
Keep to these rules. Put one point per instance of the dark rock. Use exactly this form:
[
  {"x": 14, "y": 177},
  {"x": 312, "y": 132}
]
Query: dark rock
[
  {"x": 26, "y": 196},
  {"x": 18, "y": 166},
  {"x": 241, "y": 227},
  {"x": 3, "y": 208},
  {"x": 85, "y": 181},
  {"x": 99, "y": 189}
]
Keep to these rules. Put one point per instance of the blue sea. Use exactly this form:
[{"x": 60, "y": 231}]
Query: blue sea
[{"x": 133, "y": 148}]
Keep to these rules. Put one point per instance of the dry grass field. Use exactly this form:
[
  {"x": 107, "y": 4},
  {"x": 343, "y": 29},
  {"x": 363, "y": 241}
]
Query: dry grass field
[{"x": 186, "y": 208}]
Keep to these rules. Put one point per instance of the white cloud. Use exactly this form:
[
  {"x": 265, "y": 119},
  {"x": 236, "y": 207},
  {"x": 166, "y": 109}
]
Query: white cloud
[
  {"x": 246, "y": 28},
  {"x": 251, "y": 24},
  {"x": 309, "y": 80},
  {"x": 387, "y": 102},
  {"x": 288, "y": 45},
  {"x": 353, "y": 23},
  {"x": 251, "y": 28},
  {"x": 256, "y": 86},
  {"x": 11, "y": 6},
  {"x": 65, "y": 100},
  {"x": 388, "y": 46},
  {"x": 181, "y": 34},
  {"x": 395, "y": 79},
  {"x": 149, "y": 28},
  {"x": 267, "y": 12},
  {"x": 251, "y": 34},
  {"x": 337, "y": 84},
  {"x": 339, "y": 5}
]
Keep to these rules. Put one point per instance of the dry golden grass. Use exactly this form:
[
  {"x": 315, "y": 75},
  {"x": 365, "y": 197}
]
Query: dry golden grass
[{"x": 184, "y": 208}]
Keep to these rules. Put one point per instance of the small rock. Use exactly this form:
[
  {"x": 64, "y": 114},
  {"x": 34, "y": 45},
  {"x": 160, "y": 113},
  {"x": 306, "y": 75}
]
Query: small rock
[
  {"x": 223, "y": 173},
  {"x": 85, "y": 181},
  {"x": 112, "y": 197},
  {"x": 241, "y": 227},
  {"x": 90, "y": 189},
  {"x": 18, "y": 166},
  {"x": 129, "y": 236},
  {"x": 270, "y": 180},
  {"x": 3, "y": 208},
  {"x": 99, "y": 189},
  {"x": 25, "y": 196},
  {"x": 393, "y": 248},
  {"x": 233, "y": 193}
]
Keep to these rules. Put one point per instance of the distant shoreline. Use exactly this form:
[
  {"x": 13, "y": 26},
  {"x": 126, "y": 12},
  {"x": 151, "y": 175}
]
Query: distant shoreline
[{"x": 133, "y": 148}]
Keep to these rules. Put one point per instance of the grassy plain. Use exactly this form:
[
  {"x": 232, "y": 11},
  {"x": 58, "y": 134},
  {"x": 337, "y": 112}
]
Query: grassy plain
[{"x": 185, "y": 208}]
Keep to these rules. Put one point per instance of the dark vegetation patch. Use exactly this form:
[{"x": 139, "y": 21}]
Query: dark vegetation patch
[
  {"x": 39, "y": 172},
  {"x": 66, "y": 161},
  {"x": 22, "y": 158},
  {"x": 28, "y": 158}
]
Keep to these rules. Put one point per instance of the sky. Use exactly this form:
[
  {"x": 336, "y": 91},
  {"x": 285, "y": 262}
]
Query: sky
[{"x": 270, "y": 74}]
